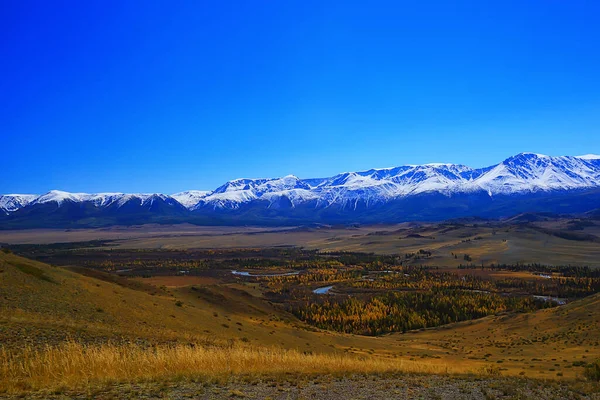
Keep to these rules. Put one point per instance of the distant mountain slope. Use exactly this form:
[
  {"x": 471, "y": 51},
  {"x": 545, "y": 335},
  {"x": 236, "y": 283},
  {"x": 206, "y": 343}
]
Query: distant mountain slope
[
  {"x": 527, "y": 182},
  {"x": 12, "y": 202}
]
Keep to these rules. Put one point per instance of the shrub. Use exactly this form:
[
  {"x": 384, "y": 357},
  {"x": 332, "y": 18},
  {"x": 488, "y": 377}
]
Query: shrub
[
  {"x": 592, "y": 371},
  {"x": 491, "y": 370}
]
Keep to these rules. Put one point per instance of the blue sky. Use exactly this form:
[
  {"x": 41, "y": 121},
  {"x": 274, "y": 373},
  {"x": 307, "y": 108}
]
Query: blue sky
[{"x": 145, "y": 96}]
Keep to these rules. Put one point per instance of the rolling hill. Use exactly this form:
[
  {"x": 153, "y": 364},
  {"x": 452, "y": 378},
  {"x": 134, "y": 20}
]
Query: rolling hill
[{"x": 44, "y": 305}]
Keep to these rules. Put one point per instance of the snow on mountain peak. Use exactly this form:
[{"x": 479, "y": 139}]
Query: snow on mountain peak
[
  {"x": 237, "y": 191},
  {"x": 538, "y": 155},
  {"x": 97, "y": 199},
  {"x": 589, "y": 157},
  {"x": 438, "y": 165},
  {"x": 59, "y": 197},
  {"x": 12, "y": 202},
  {"x": 532, "y": 172},
  {"x": 524, "y": 172},
  {"x": 190, "y": 198}
]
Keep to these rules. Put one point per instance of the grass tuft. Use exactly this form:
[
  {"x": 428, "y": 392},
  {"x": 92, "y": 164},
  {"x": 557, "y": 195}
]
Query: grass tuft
[
  {"x": 76, "y": 365},
  {"x": 592, "y": 371}
]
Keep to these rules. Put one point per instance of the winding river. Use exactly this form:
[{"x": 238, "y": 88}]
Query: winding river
[
  {"x": 244, "y": 273},
  {"x": 322, "y": 290}
]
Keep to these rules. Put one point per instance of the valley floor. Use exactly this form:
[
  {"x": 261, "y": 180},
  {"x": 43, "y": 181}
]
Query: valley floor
[{"x": 130, "y": 323}]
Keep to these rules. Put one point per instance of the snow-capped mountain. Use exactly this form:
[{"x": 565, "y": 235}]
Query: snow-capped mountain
[
  {"x": 532, "y": 172},
  {"x": 190, "y": 198},
  {"x": 12, "y": 202},
  {"x": 97, "y": 199},
  {"x": 527, "y": 181},
  {"x": 525, "y": 172},
  {"x": 239, "y": 191}
]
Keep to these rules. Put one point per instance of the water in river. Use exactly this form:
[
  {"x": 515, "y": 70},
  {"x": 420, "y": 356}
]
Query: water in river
[
  {"x": 244, "y": 273},
  {"x": 322, "y": 290}
]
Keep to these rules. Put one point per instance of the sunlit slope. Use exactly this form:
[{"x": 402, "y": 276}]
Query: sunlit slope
[
  {"x": 546, "y": 343},
  {"x": 37, "y": 298},
  {"x": 42, "y": 304},
  {"x": 40, "y": 299}
]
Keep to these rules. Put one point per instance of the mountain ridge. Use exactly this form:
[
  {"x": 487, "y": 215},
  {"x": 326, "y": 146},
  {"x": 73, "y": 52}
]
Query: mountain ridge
[{"x": 444, "y": 190}]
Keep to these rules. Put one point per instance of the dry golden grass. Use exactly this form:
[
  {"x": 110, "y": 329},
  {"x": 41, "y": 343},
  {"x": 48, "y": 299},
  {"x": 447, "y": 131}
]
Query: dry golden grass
[
  {"x": 75, "y": 365},
  {"x": 545, "y": 344}
]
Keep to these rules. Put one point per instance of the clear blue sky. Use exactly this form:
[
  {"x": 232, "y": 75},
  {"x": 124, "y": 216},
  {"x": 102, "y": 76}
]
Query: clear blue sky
[{"x": 166, "y": 96}]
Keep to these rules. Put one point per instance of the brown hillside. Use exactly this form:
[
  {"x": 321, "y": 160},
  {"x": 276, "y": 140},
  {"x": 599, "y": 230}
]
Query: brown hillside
[{"x": 40, "y": 304}]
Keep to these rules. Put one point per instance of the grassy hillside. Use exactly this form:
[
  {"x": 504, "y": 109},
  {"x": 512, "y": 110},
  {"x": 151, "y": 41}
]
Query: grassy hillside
[
  {"x": 547, "y": 343},
  {"x": 211, "y": 329},
  {"x": 61, "y": 303},
  {"x": 44, "y": 304}
]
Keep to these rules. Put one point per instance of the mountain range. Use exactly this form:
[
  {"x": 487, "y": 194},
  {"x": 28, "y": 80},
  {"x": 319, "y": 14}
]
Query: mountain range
[{"x": 526, "y": 182}]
